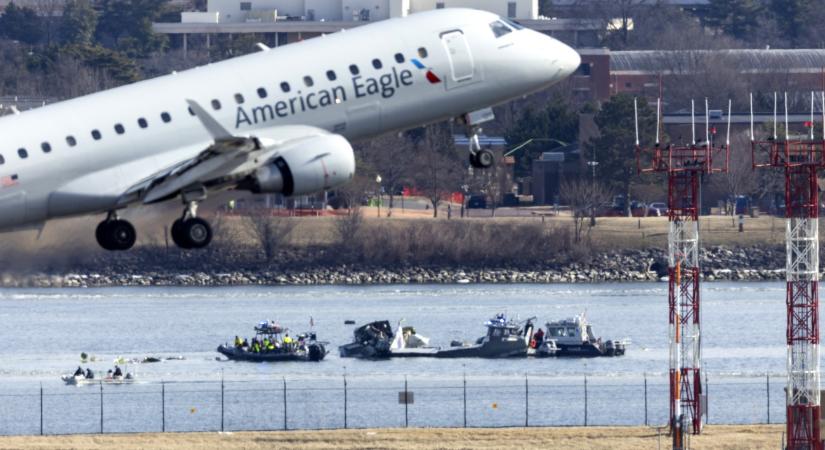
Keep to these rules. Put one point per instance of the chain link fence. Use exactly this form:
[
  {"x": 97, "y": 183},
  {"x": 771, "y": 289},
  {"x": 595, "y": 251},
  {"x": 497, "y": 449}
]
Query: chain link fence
[{"x": 373, "y": 402}]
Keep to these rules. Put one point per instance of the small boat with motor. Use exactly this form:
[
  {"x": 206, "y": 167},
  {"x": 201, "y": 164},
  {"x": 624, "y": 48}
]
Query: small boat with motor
[
  {"x": 372, "y": 341},
  {"x": 574, "y": 337},
  {"x": 272, "y": 343},
  {"x": 87, "y": 377},
  {"x": 505, "y": 338}
]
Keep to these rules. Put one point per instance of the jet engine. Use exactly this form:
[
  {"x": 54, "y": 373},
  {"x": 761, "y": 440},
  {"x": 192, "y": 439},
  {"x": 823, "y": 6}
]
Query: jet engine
[{"x": 310, "y": 165}]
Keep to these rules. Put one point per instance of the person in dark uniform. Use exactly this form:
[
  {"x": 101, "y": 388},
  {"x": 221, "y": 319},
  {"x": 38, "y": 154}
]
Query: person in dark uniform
[
  {"x": 78, "y": 372},
  {"x": 89, "y": 374},
  {"x": 118, "y": 372}
]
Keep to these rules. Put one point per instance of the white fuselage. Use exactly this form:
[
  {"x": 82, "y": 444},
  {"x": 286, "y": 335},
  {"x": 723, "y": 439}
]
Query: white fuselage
[{"x": 82, "y": 154}]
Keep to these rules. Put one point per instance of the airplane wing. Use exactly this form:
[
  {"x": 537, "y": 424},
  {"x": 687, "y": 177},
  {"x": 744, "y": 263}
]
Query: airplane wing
[{"x": 228, "y": 159}]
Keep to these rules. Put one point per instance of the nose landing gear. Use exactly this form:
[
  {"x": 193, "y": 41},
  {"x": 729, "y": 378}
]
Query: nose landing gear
[
  {"x": 115, "y": 234},
  {"x": 191, "y": 232}
]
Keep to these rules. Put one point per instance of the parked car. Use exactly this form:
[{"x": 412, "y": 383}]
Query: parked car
[
  {"x": 477, "y": 202},
  {"x": 657, "y": 209}
]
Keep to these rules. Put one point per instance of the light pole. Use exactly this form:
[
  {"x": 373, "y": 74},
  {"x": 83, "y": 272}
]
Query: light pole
[
  {"x": 593, "y": 165},
  {"x": 378, "y": 180}
]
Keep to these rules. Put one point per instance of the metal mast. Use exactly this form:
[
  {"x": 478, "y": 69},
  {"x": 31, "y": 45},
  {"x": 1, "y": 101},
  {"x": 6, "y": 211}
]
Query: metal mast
[
  {"x": 684, "y": 166},
  {"x": 800, "y": 159}
]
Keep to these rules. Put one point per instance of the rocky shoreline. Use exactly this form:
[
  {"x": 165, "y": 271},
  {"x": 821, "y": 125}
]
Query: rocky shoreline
[{"x": 718, "y": 263}]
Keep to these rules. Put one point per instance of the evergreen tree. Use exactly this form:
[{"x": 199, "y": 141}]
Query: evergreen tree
[
  {"x": 21, "y": 24},
  {"x": 78, "y": 23},
  {"x": 737, "y": 18},
  {"x": 127, "y": 25},
  {"x": 558, "y": 121},
  {"x": 615, "y": 146}
]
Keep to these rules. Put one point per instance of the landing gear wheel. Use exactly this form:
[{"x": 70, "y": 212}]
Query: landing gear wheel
[
  {"x": 177, "y": 235},
  {"x": 485, "y": 159},
  {"x": 191, "y": 233},
  {"x": 116, "y": 235}
]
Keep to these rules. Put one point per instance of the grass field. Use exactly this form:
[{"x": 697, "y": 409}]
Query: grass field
[{"x": 714, "y": 437}]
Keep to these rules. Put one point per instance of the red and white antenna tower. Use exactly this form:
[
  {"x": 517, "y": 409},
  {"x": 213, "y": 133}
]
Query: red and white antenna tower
[
  {"x": 684, "y": 166},
  {"x": 801, "y": 157}
]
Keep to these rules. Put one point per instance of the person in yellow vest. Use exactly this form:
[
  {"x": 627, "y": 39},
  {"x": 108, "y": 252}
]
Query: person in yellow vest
[
  {"x": 238, "y": 342},
  {"x": 287, "y": 341}
]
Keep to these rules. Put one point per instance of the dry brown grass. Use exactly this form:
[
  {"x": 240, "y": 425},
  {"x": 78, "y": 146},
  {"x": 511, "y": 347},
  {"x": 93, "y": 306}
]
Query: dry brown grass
[{"x": 715, "y": 437}]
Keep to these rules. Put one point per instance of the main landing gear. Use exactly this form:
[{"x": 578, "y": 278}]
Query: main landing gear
[
  {"x": 479, "y": 158},
  {"x": 115, "y": 234},
  {"x": 190, "y": 231}
]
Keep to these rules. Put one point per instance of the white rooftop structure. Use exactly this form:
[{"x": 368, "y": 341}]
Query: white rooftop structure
[{"x": 267, "y": 11}]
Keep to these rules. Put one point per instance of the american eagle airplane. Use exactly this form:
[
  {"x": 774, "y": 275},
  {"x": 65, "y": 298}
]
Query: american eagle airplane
[{"x": 277, "y": 121}]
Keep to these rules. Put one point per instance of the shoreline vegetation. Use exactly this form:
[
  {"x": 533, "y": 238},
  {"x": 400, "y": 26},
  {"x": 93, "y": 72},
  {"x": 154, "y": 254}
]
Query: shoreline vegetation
[{"x": 353, "y": 250}]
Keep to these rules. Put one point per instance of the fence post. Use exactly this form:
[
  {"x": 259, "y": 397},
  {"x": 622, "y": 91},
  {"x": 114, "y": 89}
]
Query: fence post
[
  {"x": 101, "y": 407},
  {"x": 222, "y": 402},
  {"x": 41, "y": 409},
  {"x": 406, "y": 404},
  {"x": 465, "y": 399},
  {"x": 768, "y": 392},
  {"x": 585, "y": 400},
  {"x": 526, "y": 402},
  {"x": 345, "y": 400},
  {"x": 646, "y": 422},
  {"x": 285, "y": 416},
  {"x": 162, "y": 406}
]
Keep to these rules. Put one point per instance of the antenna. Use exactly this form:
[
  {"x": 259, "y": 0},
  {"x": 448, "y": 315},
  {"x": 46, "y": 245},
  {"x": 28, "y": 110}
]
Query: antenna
[
  {"x": 730, "y": 105},
  {"x": 812, "y": 115},
  {"x": 774, "y": 116},
  {"x": 707, "y": 123},
  {"x": 658, "y": 108},
  {"x": 636, "y": 118},
  {"x": 692, "y": 122},
  {"x": 787, "y": 136},
  {"x": 752, "y": 116}
]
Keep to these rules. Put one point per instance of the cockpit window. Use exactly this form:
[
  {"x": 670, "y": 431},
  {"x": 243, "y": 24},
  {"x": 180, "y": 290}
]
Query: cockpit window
[
  {"x": 499, "y": 28},
  {"x": 513, "y": 24}
]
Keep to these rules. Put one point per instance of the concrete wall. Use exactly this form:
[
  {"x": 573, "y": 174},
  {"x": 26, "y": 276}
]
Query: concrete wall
[
  {"x": 525, "y": 9},
  {"x": 327, "y": 10},
  {"x": 378, "y": 9}
]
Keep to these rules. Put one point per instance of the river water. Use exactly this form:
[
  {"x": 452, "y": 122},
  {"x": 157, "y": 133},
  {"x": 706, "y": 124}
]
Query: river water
[{"x": 45, "y": 330}]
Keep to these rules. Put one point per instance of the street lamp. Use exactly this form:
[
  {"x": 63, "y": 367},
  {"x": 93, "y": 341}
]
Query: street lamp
[
  {"x": 378, "y": 180},
  {"x": 593, "y": 165}
]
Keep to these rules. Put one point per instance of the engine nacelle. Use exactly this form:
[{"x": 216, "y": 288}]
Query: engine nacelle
[{"x": 314, "y": 164}]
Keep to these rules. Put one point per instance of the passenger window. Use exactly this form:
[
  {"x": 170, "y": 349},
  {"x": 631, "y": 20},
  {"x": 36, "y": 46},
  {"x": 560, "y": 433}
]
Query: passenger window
[
  {"x": 399, "y": 58},
  {"x": 165, "y": 117},
  {"x": 119, "y": 129},
  {"x": 353, "y": 69},
  {"x": 239, "y": 98},
  {"x": 216, "y": 105},
  {"x": 285, "y": 86},
  {"x": 142, "y": 123},
  {"x": 2, "y": 160},
  {"x": 262, "y": 92},
  {"x": 422, "y": 52},
  {"x": 22, "y": 153},
  {"x": 499, "y": 29},
  {"x": 308, "y": 81},
  {"x": 331, "y": 75},
  {"x": 46, "y": 147},
  {"x": 96, "y": 134},
  {"x": 376, "y": 63},
  {"x": 71, "y": 141}
]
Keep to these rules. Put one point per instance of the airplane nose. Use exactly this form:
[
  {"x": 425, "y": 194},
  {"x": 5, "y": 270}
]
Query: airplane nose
[{"x": 568, "y": 59}]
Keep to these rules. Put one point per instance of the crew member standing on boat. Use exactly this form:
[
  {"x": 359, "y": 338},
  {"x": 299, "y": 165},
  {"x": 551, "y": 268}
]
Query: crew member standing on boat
[{"x": 538, "y": 338}]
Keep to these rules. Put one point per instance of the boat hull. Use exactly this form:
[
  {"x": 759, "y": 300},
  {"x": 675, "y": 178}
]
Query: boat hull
[{"x": 315, "y": 352}]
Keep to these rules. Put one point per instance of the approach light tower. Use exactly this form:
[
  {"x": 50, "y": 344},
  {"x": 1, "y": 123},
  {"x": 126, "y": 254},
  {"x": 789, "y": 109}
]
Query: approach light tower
[
  {"x": 801, "y": 159},
  {"x": 684, "y": 166}
]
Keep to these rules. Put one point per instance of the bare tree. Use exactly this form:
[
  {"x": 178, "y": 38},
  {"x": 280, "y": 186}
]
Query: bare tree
[
  {"x": 348, "y": 229},
  {"x": 740, "y": 178},
  {"x": 438, "y": 171},
  {"x": 583, "y": 197},
  {"x": 391, "y": 156},
  {"x": 271, "y": 232}
]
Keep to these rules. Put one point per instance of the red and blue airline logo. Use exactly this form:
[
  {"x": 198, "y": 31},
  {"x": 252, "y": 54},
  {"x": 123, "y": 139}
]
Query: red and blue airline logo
[{"x": 431, "y": 77}]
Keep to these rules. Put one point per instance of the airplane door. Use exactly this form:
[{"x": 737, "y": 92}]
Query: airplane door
[{"x": 462, "y": 68}]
